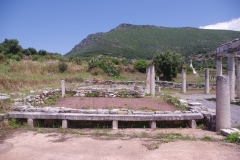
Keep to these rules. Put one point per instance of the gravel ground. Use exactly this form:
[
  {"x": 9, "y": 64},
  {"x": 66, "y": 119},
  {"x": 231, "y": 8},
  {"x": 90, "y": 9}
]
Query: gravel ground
[{"x": 202, "y": 98}]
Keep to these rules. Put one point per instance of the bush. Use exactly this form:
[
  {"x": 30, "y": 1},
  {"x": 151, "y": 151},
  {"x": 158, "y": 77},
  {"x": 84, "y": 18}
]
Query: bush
[
  {"x": 233, "y": 137},
  {"x": 105, "y": 64},
  {"x": 62, "y": 66},
  {"x": 96, "y": 71},
  {"x": 141, "y": 65}
]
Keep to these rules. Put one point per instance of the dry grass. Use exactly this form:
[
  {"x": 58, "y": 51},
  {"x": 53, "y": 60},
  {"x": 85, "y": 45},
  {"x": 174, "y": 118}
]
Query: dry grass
[{"x": 28, "y": 67}]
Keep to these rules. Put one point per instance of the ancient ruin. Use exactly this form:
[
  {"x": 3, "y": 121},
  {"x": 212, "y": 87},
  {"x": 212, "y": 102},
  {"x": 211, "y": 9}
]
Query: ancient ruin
[
  {"x": 226, "y": 84},
  {"x": 229, "y": 50}
]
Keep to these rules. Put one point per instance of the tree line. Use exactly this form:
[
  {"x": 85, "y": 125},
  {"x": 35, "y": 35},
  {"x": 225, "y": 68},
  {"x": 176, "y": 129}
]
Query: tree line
[{"x": 10, "y": 49}]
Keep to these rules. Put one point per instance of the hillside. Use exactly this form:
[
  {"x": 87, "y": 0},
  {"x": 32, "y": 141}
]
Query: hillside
[{"x": 143, "y": 41}]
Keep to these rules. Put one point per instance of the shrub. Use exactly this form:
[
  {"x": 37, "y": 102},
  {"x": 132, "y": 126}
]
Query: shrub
[
  {"x": 96, "y": 71},
  {"x": 105, "y": 64},
  {"x": 62, "y": 66},
  {"x": 233, "y": 137},
  {"x": 141, "y": 65}
]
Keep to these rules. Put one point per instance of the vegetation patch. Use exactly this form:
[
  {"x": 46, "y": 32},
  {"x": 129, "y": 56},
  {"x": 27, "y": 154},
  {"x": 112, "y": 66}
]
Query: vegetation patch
[{"x": 233, "y": 137}]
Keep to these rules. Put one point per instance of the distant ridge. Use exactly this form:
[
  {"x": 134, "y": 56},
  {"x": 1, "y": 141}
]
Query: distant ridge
[{"x": 143, "y": 41}]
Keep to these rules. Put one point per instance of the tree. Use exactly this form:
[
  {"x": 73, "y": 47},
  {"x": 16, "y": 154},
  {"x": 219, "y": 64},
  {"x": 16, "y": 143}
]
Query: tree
[
  {"x": 32, "y": 50},
  {"x": 167, "y": 63},
  {"x": 10, "y": 46},
  {"x": 42, "y": 52},
  {"x": 141, "y": 65}
]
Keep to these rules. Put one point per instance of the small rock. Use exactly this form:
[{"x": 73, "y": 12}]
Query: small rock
[
  {"x": 114, "y": 111},
  {"x": 159, "y": 112},
  {"x": 194, "y": 104},
  {"x": 177, "y": 112},
  {"x": 167, "y": 112}
]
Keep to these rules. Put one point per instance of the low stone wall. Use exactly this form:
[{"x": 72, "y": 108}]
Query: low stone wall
[
  {"x": 45, "y": 95},
  {"x": 165, "y": 84}
]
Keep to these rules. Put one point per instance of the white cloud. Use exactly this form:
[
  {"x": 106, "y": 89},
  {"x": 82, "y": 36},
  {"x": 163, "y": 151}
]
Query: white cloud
[{"x": 233, "y": 24}]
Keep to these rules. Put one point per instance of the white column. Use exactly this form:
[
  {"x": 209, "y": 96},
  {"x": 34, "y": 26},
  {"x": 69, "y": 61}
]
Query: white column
[
  {"x": 219, "y": 66},
  {"x": 222, "y": 103},
  {"x": 63, "y": 88},
  {"x": 184, "y": 79},
  {"x": 231, "y": 74},
  {"x": 238, "y": 78},
  {"x": 152, "y": 80},
  {"x": 206, "y": 81},
  {"x": 148, "y": 80}
]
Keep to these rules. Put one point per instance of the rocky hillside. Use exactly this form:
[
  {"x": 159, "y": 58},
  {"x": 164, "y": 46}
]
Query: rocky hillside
[{"x": 143, "y": 41}]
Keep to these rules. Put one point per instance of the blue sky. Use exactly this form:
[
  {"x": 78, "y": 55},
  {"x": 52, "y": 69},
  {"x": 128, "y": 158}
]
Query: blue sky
[{"x": 58, "y": 25}]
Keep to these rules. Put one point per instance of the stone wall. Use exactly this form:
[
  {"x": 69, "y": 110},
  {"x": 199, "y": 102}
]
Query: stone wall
[{"x": 165, "y": 84}]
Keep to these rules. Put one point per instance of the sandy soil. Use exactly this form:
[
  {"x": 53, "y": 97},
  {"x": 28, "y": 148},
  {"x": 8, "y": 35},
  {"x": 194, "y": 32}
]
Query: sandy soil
[
  {"x": 129, "y": 103},
  {"x": 50, "y": 146}
]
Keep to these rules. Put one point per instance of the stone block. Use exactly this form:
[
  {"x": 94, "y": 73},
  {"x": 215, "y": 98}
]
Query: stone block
[
  {"x": 194, "y": 104},
  {"x": 142, "y": 112},
  {"x": 226, "y": 132},
  {"x": 186, "y": 112},
  {"x": 177, "y": 112},
  {"x": 159, "y": 112},
  {"x": 64, "y": 123},
  {"x": 114, "y": 111},
  {"x": 122, "y": 112},
  {"x": 89, "y": 111},
  {"x": 192, "y": 123},
  {"x": 167, "y": 112},
  {"x": 182, "y": 102},
  {"x": 102, "y": 111},
  {"x": 153, "y": 124},
  {"x": 30, "y": 122},
  {"x": 114, "y": 124}
]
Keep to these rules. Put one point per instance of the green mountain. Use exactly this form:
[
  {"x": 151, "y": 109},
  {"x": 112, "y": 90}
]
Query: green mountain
[{"x": 143, "y": 41}]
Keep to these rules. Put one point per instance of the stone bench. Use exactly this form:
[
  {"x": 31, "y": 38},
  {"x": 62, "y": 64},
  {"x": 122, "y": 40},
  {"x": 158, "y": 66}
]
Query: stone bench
[{"x": 65, "y": 117}]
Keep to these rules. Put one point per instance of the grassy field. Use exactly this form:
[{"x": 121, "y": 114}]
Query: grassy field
[{"x": 28, "y": 75}]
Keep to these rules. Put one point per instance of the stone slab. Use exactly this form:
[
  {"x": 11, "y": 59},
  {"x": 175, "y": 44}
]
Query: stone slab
[
  {"x": 107, "y": 117},
  {"x": 194, "y": 104},
  {"x": 226, "y": 132}
]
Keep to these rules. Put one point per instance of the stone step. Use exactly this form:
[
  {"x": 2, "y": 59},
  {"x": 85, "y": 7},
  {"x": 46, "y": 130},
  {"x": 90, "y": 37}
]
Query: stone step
[{"x": 226, "y": 132}]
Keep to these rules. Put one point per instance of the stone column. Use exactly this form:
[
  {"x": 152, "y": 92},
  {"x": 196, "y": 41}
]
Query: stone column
[
  {"x": 148, "y": 80},
  {"x": 238, "y": 78},
  {"x": 114, "y": 124},
  {"x": 222, "y": 103},
  {"x": 64, "y": 123},
  {"x": 63, "y": 88},
  {"x": 231, "y": 74},
  {"x": 157, "y": 79},
  {"x": 30, "y": 122},
  {"x": 219, "y": 66},
  {"x": 192, "y": 123},
  {"x": 184, "y": 79},
  {"x": 206, "y": 81},
  {"x": 152, "y": 80},
  {"x": 153, "y": 124}
]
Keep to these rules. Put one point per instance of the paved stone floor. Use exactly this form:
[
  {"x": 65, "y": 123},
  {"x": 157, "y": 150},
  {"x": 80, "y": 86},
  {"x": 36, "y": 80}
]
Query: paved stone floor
[{"x": 203, "y": 98}]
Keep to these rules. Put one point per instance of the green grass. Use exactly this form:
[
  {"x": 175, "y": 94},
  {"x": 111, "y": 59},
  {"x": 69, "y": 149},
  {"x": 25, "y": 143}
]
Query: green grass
[{"x": 233, "y": 137}]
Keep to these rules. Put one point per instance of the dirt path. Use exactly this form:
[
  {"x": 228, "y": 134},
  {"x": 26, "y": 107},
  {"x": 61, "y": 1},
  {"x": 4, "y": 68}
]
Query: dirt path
[
  {"x": 32, "y": 145},
  {"x": 108, "y": 103}
]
